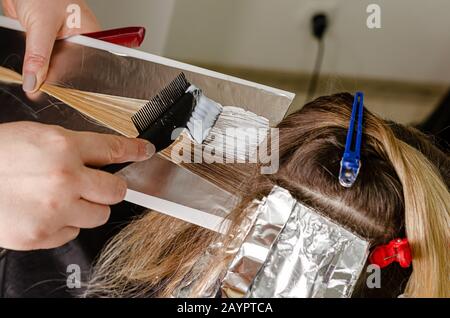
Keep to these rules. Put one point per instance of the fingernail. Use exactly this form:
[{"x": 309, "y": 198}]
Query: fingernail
[
  {"x": 149, "y": 149},
  {"x": 29, "y": 82}
]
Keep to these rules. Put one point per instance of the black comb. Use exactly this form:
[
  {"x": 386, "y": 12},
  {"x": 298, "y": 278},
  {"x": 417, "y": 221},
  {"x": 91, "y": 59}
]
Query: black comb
[
  {"x": 157, "y": 120},
  {"x": 159, "y": 104}
]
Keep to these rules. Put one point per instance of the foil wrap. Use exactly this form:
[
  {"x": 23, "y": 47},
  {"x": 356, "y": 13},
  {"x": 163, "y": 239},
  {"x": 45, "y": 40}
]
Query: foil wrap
[
  {"x": 210, "y": 288},
  {"x": 271, "y": 216},
  {"x": 293, "y": 251}
]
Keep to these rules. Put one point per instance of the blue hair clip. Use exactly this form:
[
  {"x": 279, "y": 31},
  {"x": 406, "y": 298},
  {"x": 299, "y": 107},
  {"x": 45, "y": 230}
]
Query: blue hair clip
[{"x": 351, "y": 163}]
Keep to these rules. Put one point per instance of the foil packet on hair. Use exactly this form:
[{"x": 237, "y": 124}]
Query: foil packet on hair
[
  {"x": 294, "y": 251},
  {"x": 210, "y": 288}
]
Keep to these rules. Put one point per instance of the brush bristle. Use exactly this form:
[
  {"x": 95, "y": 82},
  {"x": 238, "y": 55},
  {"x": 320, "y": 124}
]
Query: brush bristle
[
  {"x": 160, "y": 103},
  {"x": 203, "y": 118}
]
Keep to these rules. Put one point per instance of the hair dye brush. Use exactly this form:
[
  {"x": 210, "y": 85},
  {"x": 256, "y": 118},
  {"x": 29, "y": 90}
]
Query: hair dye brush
[
  {"x": 178, "y": 105},
  {"x": 182, "y": 105}
]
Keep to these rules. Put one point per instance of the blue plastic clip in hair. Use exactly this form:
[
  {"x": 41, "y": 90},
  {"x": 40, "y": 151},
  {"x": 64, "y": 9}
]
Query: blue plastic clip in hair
[{"x": 351, "y": 163}]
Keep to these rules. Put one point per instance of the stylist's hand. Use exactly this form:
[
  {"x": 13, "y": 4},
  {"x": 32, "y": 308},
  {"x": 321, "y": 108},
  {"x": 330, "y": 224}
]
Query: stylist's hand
[
  {"x": 44, "y": 22},
  {"x": 48, "y": 190}
]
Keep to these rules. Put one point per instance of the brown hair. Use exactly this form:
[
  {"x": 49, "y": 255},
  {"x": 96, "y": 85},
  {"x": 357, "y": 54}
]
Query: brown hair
[{"x": 399, "y": 192}]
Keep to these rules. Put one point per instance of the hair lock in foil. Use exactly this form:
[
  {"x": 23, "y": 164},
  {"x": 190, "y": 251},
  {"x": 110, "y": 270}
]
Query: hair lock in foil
[{"x": 287, "y": 249}]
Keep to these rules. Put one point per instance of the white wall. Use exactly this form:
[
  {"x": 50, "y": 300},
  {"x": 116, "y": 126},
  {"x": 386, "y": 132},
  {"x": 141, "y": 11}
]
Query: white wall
[{"x": 413, "y": 44}]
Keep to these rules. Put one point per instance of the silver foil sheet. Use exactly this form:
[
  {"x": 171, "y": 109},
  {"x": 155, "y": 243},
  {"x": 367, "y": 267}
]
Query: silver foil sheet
[
  {"x": 293, "y": 251},
  {"x": 271, "y": 216},
  {"x": 210, "y": 289}
]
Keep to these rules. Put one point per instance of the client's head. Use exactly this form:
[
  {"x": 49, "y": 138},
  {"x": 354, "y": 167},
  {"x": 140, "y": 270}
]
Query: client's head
[{"x": 400, "y": 192}]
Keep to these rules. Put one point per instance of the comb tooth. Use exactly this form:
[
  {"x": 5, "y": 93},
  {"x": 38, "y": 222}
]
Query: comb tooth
[
  {"x": 142, "y": 115},
  {"x": 166, "y": 94},
  {"x": 176, "y": 89},
  {"x": 140, "y": 118},
  {"x": 165, "y": 97},
  {"x": 137, "y": 125},
  {"x": 162, "y": 98},
  {"x": 171, "y": 94},
  {"x": 181, "y": 78},
  {"x": 146, "y": 113},
  {"x": 139, "y": 122},
  {"x": 154, "y": 110},
  {"x": 160, "y": 103},
  {"x": 181, "y": 84},
  {"x": 136, "y": 121}
]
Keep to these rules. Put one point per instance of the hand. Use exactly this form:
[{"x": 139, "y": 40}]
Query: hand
[
  {"x": 44, "y": 22},
  {"x": 48, "y": 190}
]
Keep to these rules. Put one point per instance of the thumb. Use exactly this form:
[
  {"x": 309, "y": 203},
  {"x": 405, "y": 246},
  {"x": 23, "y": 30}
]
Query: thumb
[{"x": 40, "y": 38}]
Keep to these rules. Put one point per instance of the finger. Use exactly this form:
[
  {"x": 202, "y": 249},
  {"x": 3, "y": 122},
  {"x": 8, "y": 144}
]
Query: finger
[
  {"x": 88, "y": 215},
  {"x": 57, "y": 239},
  {"x": 8, "y": 9},
  {"x": 40, "y": 38},
  {"x": 101, "y": 187},
  {"x": 101, "y": 149}
]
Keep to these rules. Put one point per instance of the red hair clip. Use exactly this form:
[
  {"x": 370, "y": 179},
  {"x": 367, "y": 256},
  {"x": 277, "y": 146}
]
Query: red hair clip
[{"x": 397, "y": 250}]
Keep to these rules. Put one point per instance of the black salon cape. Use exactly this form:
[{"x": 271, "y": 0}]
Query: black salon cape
[{"x": 43, "y": 273}]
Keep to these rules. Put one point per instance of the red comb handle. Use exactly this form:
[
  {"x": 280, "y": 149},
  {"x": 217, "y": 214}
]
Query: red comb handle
[{"x": 130, "y": 37}]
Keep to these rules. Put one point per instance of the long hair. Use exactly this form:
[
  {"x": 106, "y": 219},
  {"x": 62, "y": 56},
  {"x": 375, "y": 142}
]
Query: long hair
[{"x": 401, "y": 191}]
